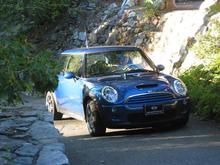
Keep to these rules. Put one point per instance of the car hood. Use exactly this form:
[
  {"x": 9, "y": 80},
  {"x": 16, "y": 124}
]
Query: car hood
[{"x": 133, "y": 84}]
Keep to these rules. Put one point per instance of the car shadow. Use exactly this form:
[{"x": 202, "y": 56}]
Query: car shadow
[{"x": 133, "y": 146}]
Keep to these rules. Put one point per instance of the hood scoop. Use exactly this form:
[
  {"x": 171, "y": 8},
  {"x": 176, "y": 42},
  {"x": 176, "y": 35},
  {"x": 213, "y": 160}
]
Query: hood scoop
[
  {"x": 144, "y": 86},
  {"x": 110, "y": 78}
]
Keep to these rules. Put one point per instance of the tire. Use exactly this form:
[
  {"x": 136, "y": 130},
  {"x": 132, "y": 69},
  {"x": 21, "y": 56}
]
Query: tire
[
  {"x": 93, "y": 120},
  {"x": 51, "y": 107},
  {"x": 182, "y": 122}
]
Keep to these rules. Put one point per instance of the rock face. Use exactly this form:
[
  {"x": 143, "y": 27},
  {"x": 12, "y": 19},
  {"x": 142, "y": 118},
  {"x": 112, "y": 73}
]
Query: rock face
[
  {"x": 207, "y": 3},
  {"x": 174, "y": 42},
  {"x": 172, "y": 45},
  {"x": 114, "y": 24},
  {"x": 27, "y": 136},
  {"x": 167, "y": 39},
  {"x": 82, "y": 36},
  {"x": 122, "y": 26}
]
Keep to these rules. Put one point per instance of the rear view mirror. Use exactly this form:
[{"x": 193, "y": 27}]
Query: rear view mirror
[
  {"x": 160, "y": 67},
  {"x": 69, "y": 75}
]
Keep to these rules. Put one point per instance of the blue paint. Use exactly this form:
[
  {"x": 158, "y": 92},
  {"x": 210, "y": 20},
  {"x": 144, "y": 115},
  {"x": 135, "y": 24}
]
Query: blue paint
[{"x": 136, "y": 91}]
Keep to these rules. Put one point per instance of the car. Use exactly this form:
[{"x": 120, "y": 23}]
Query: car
[{"x": 117, "y": 87}]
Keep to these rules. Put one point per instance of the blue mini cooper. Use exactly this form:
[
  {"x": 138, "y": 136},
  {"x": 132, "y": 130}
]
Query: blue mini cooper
[{"x": 116, "y": 87}]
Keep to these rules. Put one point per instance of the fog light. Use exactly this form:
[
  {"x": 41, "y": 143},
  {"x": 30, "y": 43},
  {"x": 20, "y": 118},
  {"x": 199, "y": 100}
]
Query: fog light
[
  {"x": 114, "y": 109},
  {"x": 185, "y": 102}
]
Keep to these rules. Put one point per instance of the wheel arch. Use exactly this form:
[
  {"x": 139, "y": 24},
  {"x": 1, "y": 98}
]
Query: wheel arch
[{"x": 85, "y": 101}]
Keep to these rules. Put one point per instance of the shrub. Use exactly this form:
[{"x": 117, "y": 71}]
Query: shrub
[
  {"x": 43, "y": 71},
  {"x": 22, "y": 66},
  {"x": 151, "y": 8},
  {"x": 203, "y": 81},
  {"x": 208, "y": 45},
  {"x": 33, "y": 12},
  {"x": 23, "y": 71},
  {"x": 214, "y": 8}
]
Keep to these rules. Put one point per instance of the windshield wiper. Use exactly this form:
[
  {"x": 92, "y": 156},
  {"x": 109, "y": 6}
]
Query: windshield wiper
[
  {"x": 105, "y": 74},
  {"x": 138, "y": 70}
]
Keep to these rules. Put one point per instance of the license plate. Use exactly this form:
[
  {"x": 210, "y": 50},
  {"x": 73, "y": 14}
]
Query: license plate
[{"x": 153, "y": 110}]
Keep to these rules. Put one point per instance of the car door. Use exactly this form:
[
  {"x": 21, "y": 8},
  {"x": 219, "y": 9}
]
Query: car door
[{"x": 69, "y": 91}]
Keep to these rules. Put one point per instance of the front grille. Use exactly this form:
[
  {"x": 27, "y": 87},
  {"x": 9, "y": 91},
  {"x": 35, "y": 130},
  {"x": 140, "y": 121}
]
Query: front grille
[
  {"x": 143, "y": 86},
  {"x": 152, "y": 98}
]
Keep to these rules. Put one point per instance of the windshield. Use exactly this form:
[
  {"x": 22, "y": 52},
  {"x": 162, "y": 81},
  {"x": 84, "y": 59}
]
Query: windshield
[{"x": 117, "y": 62}]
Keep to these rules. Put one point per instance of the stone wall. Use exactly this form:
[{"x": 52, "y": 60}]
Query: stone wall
[{"x": 28, "y": 137}]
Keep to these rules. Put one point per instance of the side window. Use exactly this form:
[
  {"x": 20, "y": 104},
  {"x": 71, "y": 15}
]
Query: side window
[
  {"x": 63, "y": 62},
  {"x": 75, "y": 64}
]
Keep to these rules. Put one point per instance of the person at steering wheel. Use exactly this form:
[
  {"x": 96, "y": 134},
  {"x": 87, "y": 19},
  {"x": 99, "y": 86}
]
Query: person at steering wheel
[{"x": 125, "y": 60}]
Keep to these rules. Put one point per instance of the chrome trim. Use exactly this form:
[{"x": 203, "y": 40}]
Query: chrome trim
[
  {"x": 126, "y": 101},
  {"x": 142, "y": 106},
  {"x": 110, "y": 76}
]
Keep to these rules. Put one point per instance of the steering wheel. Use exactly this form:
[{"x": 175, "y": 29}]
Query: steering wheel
[
  {"x": 98, "y": 67},
  {"x": 130, "y": 67}
]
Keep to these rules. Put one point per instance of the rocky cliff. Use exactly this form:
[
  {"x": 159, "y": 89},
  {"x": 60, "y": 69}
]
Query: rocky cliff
[
  {"x": 172, "y": 45},
  {"x": 167, "y": 38}
]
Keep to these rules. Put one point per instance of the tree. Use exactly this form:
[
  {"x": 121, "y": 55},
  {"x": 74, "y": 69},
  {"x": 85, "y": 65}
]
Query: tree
[{"x": 170, "y": 4}]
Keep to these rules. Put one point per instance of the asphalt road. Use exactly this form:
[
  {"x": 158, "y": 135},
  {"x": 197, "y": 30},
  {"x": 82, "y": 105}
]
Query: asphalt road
[{"x": 196, "y": 144}]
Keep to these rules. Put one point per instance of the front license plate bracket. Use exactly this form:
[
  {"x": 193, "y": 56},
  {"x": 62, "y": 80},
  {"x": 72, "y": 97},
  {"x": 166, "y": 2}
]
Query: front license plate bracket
[{"x": 153, "y": 110}]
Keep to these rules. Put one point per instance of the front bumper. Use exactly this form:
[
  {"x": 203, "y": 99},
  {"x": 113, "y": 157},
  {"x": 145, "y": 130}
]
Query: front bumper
[{"x": 123, "y": 116}]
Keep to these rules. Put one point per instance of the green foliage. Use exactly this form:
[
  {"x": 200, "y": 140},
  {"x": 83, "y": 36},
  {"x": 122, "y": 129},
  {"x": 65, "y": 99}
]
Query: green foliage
[
  {"x": 203, "y": 81},
  {"x": 22, "y": 66},
  {"x": 204, "y": 87},
  {"x": 43, "y": 71},
  {"x": 214, "y": 8},
  {"x": 38, "y": 11},
  {"x": 13, "y": 61},
  {"x": 20, "y": 70},
  {"x": 151, "y": 8},
  {"x": 208, "y": 45}
]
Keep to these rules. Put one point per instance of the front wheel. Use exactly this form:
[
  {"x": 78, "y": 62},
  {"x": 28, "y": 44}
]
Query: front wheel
[
  {"x": 51, "y": 107},
  {"x": 93, "y": 120},
  {"x": 181, "y": 122}
]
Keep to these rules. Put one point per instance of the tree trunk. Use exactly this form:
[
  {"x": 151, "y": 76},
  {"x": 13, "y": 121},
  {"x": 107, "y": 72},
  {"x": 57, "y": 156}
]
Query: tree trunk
[{"x": 170, "y": 4}]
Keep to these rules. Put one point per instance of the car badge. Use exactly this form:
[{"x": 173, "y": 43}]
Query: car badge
[{"x": 154, "y": 108}]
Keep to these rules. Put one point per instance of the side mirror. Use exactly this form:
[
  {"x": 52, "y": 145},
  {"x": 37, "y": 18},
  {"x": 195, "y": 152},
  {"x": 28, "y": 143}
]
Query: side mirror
[
  {"x": 160, "y": 67},
  {"x": 69, "y": 75}
]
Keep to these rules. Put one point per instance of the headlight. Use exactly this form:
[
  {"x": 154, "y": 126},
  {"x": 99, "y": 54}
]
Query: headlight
[
  {"x": 179, "y": 87},
  {"x": 110, "y": 94}
]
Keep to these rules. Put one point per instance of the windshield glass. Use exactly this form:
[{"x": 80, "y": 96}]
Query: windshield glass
[{"x": 117, "y": 62}]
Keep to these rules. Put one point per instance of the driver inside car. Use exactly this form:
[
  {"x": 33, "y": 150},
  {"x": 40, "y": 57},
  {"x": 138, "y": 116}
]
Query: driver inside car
[{"x": 125, "y": 60}]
